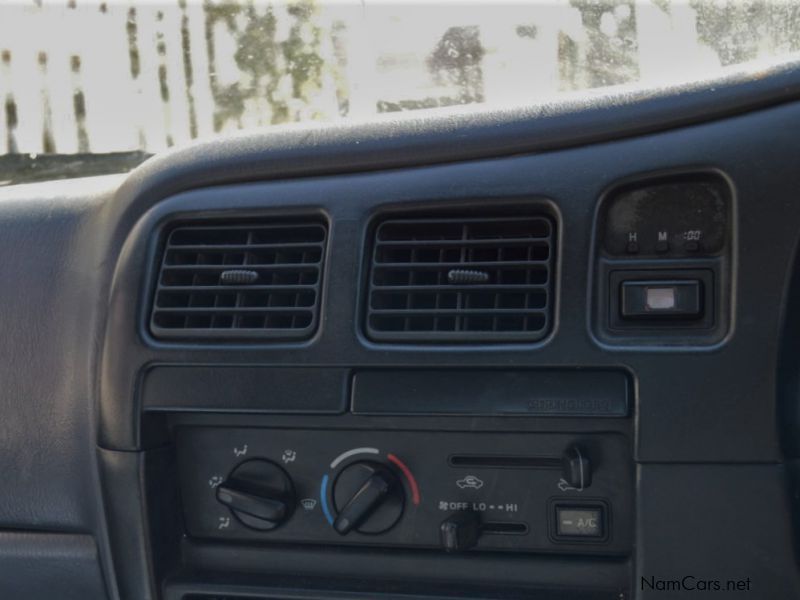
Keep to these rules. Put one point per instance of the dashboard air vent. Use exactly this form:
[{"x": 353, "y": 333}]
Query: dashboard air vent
[
  {"x": 461, "y": 280},
  {"x": 240, "y": 281}
]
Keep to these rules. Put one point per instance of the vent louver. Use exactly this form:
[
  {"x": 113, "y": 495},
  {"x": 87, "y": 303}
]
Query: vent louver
[
  {"x": 461, "y": 280},
  {"x": 240, "y": 282}
]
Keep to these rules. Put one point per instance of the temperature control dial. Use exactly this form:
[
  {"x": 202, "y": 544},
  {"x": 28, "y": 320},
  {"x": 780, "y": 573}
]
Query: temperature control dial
[
  {"x": 259, "y": 493},
  {"x": 368, "y": 497}
]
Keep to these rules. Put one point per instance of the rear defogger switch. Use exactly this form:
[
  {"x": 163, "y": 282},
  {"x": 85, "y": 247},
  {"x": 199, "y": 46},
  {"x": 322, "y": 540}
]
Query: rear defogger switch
[
  {"x": 662, "y": 299},
  {"x": 452, "y": 491},
  {"x": 653, "y": 300}
]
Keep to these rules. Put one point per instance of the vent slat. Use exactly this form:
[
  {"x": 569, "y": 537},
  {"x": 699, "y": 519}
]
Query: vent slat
[
  {"x": 274, "y": 267},
  {"x": 462, "y": 243},
  {"x": 244, "y": 247},
  {"x": 459, "y": 288},
  {"x": 240, "y": 281},
  {"x": 419, "y": 266},
  {"x": 461, "y": 279},
  {"x": 237, "y": 288},
  {"x": 233, "y": 310},
  {"x": 455, "y": 311}
]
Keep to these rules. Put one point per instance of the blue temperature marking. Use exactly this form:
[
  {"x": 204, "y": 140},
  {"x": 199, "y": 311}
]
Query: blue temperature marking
[{"x": 323, "y": 496}]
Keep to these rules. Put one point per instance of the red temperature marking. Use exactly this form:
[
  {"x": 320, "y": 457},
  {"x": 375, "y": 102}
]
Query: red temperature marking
[{"x": 407, "y": 472}]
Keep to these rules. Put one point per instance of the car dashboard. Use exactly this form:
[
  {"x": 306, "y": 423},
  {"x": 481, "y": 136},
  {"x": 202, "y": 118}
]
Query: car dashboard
[{"x": 545, "y": 352}]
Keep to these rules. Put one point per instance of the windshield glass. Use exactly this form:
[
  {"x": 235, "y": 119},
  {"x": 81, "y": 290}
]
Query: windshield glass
[{"x": 91, "y": 79}]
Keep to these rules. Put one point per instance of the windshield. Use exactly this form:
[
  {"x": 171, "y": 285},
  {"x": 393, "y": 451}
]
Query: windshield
[{"x": 109, "y": 83}]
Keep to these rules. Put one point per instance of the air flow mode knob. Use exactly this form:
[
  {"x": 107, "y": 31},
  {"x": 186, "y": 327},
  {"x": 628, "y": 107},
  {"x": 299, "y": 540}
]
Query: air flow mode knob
[{"x": 259, "y": 493}]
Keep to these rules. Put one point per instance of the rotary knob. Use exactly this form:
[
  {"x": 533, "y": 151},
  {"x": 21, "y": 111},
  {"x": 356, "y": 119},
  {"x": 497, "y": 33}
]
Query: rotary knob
[
  {"x": 259, "y": 493},
  {"x": 368, "y": 498}
]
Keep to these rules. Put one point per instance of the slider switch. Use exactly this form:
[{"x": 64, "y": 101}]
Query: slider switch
[
  {"x": 576, "y": 469},
  {"x": 460, "y": 531}
]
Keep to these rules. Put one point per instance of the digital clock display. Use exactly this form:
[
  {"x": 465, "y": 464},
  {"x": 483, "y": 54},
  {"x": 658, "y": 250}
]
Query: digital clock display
[{"x": 675, "y": 218}]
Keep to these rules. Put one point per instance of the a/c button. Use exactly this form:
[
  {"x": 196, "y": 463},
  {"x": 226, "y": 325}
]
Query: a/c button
[{"x": 580, "y": 521}]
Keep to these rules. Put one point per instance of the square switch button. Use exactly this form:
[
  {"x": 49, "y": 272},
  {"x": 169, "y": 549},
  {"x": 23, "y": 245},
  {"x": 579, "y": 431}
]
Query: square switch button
[
  {"x": 662, "y": 299},
  {"x": 580, "y": 521}
]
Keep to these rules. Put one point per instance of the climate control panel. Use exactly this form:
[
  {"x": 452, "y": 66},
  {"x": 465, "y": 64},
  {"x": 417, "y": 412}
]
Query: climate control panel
[{"x": 450, "y": 491}]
